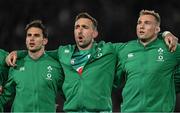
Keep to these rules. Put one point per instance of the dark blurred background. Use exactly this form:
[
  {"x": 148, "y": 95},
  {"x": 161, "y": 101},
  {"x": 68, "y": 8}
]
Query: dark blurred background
[{"x": 117, "y": 22}]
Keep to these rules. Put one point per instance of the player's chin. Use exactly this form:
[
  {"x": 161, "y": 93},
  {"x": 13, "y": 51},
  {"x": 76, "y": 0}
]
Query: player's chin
[
  {"x": 32, "y": 49},
  {"x": 141, "y": 37},
  {"x": 80, "y": 43}
]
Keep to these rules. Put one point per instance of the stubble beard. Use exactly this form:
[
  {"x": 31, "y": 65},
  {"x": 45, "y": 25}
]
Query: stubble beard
[
  {"x": 84, "y": 45},
  {"x": 35, "y": 50}
]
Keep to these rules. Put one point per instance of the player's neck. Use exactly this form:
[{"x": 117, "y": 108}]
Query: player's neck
[
  {"x": 37, "y": 54},
  {"x": 85, "y": 48},
  {"x": 146, "y": 42}
]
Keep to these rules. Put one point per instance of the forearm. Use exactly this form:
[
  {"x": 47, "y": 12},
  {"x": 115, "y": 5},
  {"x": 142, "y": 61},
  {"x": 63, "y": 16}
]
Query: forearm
[{"x": 21, "y": 53}]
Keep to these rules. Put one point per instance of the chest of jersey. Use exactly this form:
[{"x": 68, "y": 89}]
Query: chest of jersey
[{"x": 150, "y": 60}]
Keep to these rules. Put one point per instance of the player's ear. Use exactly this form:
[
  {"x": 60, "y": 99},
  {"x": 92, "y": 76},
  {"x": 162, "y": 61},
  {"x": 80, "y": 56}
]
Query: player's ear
[
  {"x": 95, "y": 33},
  {"x": 45, "y": 41},
  {"x": 157, "y": 29}
]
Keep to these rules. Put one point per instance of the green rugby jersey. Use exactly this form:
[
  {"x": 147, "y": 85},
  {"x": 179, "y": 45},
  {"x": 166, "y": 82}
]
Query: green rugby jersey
[
  {"x": 3, "y": 67},
  {"x": 91, "y": 90},
  {"x": 149, "y": 76},
  {"x": 177, "y": 79},
  {"x": 33, "y": 84}
]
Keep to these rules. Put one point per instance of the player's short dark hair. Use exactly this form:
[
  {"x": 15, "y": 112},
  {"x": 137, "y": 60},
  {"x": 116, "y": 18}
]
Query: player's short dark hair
[
  {"x": 37, "y": 24},
  {"x": 86, "y": 15}
]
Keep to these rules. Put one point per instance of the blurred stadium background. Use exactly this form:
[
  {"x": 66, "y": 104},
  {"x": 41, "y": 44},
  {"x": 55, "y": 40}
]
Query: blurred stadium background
[{"x": 117, "y": 22}]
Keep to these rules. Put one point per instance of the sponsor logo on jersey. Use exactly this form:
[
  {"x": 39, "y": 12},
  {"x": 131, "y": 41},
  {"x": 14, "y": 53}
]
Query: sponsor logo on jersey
[
  {"x": 66, "y": 51},
  {"x": 22, "y": 69},
  {"x": 130, "y": 55}
]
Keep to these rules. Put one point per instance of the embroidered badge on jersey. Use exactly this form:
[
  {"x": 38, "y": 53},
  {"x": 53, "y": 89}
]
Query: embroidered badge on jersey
[
  {"x": 49, "y": 73},
  {"x": 160, "y": 55},
  {"x": 99, "y": 52}
]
